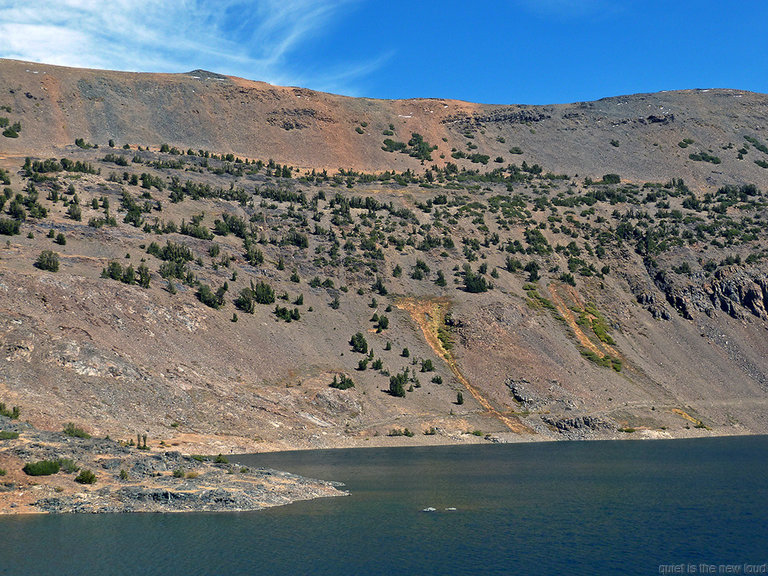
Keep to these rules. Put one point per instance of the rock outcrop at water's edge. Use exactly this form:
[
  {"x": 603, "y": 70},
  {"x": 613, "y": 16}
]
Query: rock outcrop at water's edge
[{"x": 131, "y": 480}]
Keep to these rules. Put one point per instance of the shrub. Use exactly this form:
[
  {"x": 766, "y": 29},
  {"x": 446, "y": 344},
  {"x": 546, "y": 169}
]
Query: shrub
[
  {"x": 8, "y": 435},
  {"x": 221, "y": 460},
  {"x": 704, "y": 157},
  {"x": 379, "y": 287},
  {"x": 475, "y": 283},
  {"x": 81, "y": 143},
  {"x": 68, "y": 465},
  {"x": 397, "y": 384},
  {"x": 9, "y": 227},
  {"x": 244, "y": 301},
  {"x": 359, "y": 343},
  {"x": 71, "y": 430},
  {"x": 86, "y": 477},
  {"x": 42, "y": 468},
  {"x": 459, "y": 398},
  {"x": 207, "y": 297},
  {"x": 393, "y": 146},
  {"x": 533, "y": 271},
  {"x": 13, "y": 413},
  {"x": 263, "y": 293},
  {"x": 48, "y": 260},
  {"x": 567, "y": 278},
  {"x": 287, "y": 314},
  {"x": 344, "y": 383},
  {"x": 178, "y": 473},
  {"x": 75, "y": 212}
]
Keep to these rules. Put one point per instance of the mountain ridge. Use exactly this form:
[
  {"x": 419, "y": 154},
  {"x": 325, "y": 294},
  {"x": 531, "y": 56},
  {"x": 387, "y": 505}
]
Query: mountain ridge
[{"x": 316, "y": 130}]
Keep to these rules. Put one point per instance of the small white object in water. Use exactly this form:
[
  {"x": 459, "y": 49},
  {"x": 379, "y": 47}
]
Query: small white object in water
[
  {"x": 429, "y": 509},
  {"x": 451, "y": 509}
]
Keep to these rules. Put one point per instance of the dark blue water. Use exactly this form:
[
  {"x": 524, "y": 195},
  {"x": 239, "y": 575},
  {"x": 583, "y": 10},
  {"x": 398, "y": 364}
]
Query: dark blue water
[{"x": 566, "y": 508}]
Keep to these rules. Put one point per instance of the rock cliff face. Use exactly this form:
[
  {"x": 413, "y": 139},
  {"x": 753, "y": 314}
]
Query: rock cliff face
[
  {"x": 736, "y": 291},
  {"x": 587, "y": 270}
]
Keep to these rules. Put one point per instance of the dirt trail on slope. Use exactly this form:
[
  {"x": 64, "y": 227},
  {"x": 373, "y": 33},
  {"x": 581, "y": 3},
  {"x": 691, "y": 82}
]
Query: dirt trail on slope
[{"x": 429, "y": 314}]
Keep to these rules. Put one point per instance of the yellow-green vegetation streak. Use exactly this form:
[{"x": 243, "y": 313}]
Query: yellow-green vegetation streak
[
  {"x": 590, "y": 328},
  {"x": 429, "y": 315}
]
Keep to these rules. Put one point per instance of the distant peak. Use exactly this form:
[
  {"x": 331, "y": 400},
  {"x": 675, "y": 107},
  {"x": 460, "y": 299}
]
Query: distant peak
[{"x": 206, "y": 75}]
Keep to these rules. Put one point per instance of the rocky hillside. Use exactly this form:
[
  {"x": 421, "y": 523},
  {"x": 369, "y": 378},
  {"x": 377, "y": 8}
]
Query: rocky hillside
[{"x": 184, "y": 259}]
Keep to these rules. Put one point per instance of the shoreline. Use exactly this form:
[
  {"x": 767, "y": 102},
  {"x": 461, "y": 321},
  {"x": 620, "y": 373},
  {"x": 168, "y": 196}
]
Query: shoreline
[
  {"x": 163, "y": 480},
  {"x": 528, "y": 440}
]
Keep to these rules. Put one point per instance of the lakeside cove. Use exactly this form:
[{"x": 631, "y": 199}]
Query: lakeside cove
[
  {"x": 530, "y": 508},
  {"x": 106, "y": 476}
]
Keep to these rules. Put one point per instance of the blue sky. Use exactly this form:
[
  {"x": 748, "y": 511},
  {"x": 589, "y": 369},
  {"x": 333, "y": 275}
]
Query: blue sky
[{"x": 498, "y": 51}]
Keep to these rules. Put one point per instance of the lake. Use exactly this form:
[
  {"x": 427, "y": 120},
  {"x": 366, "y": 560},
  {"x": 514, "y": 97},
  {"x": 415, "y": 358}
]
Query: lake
[{"x": 628, "y": 507}]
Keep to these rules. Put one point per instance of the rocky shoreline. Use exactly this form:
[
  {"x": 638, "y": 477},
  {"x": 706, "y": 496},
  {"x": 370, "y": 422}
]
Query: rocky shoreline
[{"x": 129, "y": 479}]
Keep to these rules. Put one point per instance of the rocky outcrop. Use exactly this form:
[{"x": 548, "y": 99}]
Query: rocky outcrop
[
  {"x": 580, "y": 427},
  {"x": 732, "y": 289},
  {"x": 133, "y": 480},
  {"x": 737, "y": 291},
  {"x": 522, "y": 393}
]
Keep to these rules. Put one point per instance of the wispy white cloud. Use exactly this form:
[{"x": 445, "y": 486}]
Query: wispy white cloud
[{"x": 257, "y": 39}]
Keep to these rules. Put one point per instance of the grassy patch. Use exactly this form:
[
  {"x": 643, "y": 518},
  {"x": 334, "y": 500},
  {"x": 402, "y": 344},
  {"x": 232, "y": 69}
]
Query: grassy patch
[
  {"x": 606, "y": 361},
  {"x": 599, "y": 324},
  {"x": 537, "y": 301}
]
